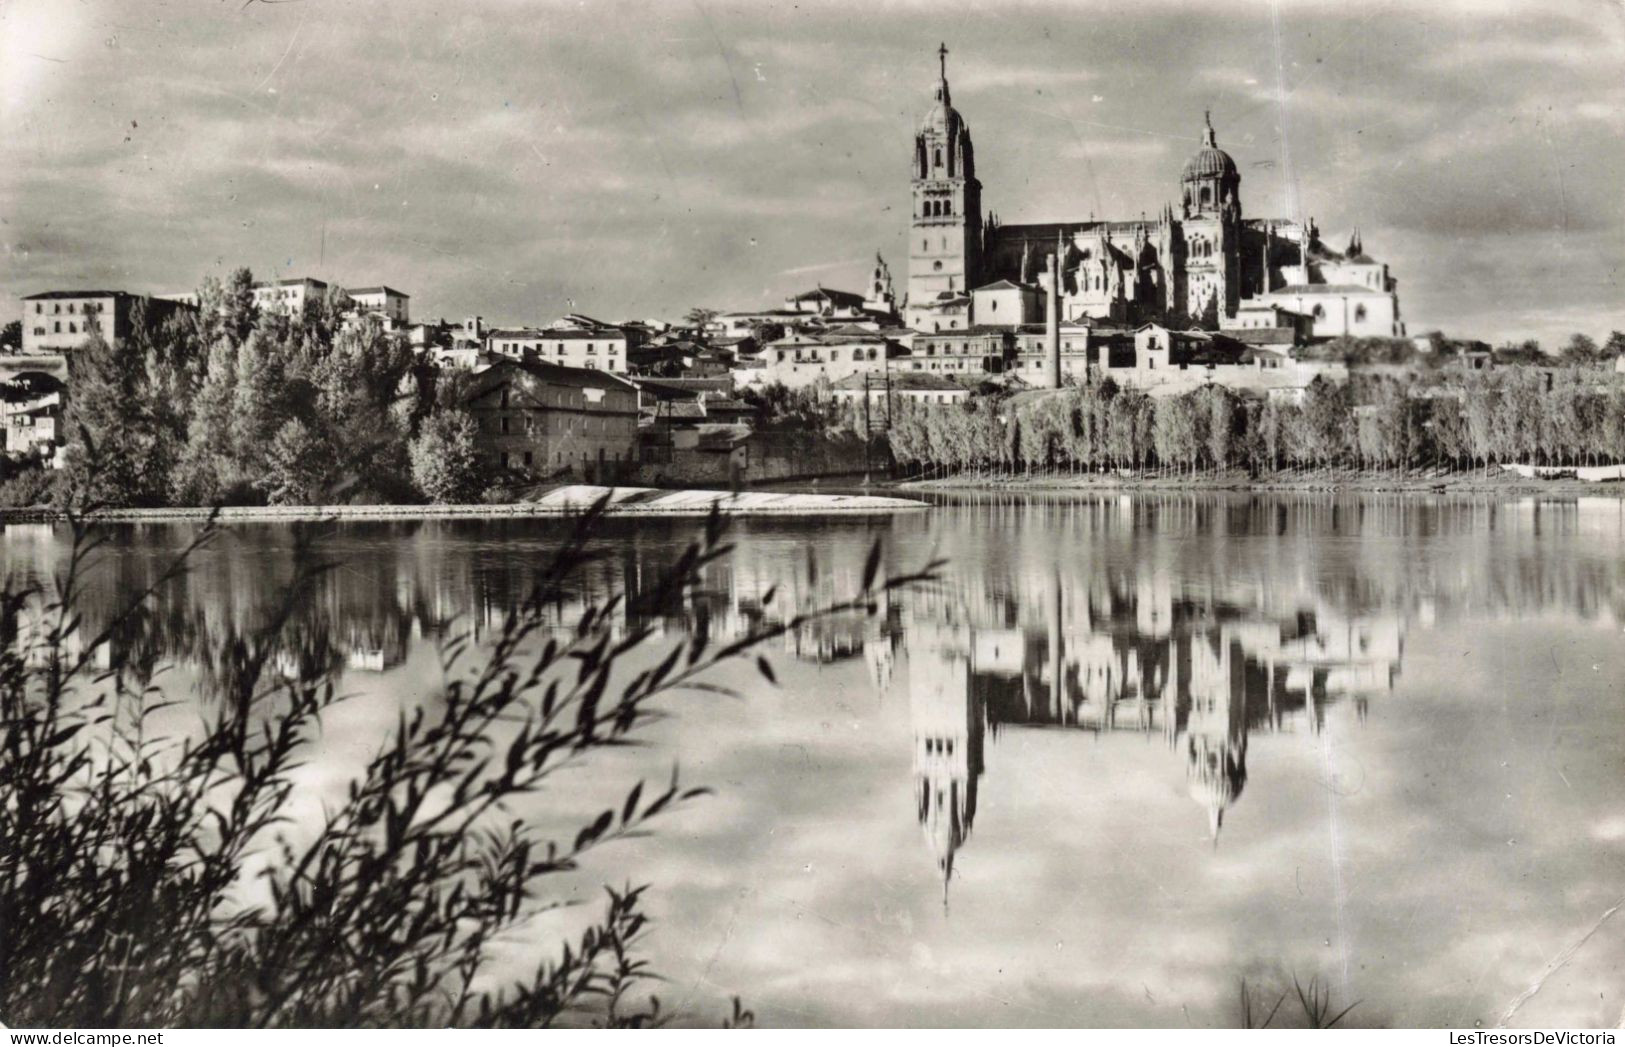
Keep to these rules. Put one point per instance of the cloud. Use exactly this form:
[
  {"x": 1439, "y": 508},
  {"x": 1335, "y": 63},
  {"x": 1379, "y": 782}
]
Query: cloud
[{"x": 638, "y": 159}]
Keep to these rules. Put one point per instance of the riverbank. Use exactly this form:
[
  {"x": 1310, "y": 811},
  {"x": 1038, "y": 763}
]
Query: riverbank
[
  {"x": 562, "y": 501},
  {"x": 1330, "y": 481}
]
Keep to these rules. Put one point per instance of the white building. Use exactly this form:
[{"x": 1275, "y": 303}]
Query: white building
[
  {"x": 804, "y": 359},
  {"x": 929, "y": 389},
  {"x": 392, "y": 305},
  {"x": 289, "y": 297}
]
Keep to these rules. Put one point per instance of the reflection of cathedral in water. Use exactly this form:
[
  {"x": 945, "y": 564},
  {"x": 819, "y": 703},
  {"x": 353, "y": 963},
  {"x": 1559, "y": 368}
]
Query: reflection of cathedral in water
[{"x": 1204, "y": 671}]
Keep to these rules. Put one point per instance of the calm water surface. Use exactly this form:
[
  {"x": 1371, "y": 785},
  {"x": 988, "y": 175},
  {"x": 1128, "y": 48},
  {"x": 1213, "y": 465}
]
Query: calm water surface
[{"x": 1135, "y": 750}]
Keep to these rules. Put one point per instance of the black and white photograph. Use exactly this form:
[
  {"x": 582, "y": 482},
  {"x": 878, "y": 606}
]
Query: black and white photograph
[{"x": 729, "y": 514}]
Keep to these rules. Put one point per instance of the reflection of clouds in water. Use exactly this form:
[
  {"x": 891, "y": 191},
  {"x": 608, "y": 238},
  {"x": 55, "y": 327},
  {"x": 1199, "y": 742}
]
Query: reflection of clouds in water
[{"x": 1105, "y": 680}]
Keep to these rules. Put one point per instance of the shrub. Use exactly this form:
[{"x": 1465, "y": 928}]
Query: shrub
[
  {"x": 124, "y": 890},
  {"x": 35, "y": 486}
]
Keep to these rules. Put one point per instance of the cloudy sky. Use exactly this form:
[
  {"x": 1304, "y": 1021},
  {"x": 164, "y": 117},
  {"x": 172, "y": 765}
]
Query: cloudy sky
[{"x": 518, "y": 160}]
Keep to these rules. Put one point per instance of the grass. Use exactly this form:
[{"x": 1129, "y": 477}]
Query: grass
[{"x": 1314, "y": 1005}]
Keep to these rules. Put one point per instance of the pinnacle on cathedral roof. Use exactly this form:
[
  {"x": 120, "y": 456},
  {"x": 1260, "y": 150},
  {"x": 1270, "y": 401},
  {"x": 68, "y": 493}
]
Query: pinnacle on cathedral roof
[{"x": 942, "y": 114}]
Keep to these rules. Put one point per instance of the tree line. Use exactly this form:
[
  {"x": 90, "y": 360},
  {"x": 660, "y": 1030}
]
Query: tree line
[
  {"x": 229, "y": 404},
  {"x": 1565, "y": 416}
]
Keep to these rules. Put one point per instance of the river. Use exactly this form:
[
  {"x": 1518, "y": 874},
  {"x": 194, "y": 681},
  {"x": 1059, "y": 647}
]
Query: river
[{"x": 1132, "y": 752}]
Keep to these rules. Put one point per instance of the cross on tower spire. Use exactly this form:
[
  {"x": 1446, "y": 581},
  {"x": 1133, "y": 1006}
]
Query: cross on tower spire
[{"x": 942, "y": 60}]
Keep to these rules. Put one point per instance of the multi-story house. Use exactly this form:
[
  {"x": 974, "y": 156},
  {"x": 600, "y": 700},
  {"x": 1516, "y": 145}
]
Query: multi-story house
[
  {"x": 540, "y": 419},
  {"x": 805, "y": 359},
  {"x": 289, "y": 297},
  {"x": 59, "y": 321},
  {"x": 971, "y": 353},
  {"x": 30, "y": 418},
  {"x": 590, "y": 348},
  {"x": 393, "y": 306}
]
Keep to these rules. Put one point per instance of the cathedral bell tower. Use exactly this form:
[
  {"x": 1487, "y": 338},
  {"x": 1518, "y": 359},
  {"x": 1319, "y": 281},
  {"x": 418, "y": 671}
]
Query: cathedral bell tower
[
  {"x": 945, "y": 227},
  {"x": 1211, "y": 208}
]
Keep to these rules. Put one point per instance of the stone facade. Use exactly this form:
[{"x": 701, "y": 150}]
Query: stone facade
[
  {"x": 591, "y": 349},
  {"x": 60, "y": 321},
  {"x": 1196, "y": 264},
  {"x": 542, "y": 420}
]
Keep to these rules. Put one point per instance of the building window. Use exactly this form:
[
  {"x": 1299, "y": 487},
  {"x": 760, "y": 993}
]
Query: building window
[
  {"x": 1359, "y": 314},
  {"x": 505, "y": 422},
  {"x": 1320, "y": 312}
]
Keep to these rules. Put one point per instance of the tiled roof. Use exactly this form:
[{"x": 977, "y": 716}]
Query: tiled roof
[
  {"x": 974, "y": 331},
  {"x": 565, "y": 335},
  {"x": 296, "y": 282},
  {"x": 552, "y": 374},
  {"x": 1263, "y": 335},
  {"x": 76, "y": 294},
  {"x": 379, "y": 290},
  {"x": 901, "y": 381},
  {"x": 829, "y": 295},
  {"x": 1327, "y": 289}
]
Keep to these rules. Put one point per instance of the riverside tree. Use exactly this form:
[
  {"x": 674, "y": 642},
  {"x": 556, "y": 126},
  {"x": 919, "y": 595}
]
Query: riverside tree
[{"x": 445, "y": 467}]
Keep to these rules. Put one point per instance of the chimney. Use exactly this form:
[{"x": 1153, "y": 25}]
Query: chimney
[{"x": 1052, "y": 326}]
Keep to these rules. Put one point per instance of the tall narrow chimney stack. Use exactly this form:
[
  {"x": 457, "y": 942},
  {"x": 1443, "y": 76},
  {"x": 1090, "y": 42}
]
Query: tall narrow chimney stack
[{"x": 1052, "y": 326}]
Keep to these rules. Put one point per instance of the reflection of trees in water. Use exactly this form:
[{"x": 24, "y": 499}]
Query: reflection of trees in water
[
  {"x": 1420, "y": 557},
  {"x": 1210, "y": 618},
  {"x": 1286, "y": 556},
  {"x": 388, "y": 586}
]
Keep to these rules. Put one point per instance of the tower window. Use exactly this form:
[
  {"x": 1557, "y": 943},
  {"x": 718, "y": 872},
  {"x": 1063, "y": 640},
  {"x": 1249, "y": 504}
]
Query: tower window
[
  {"x": 1359, "y": 314},
  {"x": 939, "y": 157},
  {"x": 936, "y": 266}
]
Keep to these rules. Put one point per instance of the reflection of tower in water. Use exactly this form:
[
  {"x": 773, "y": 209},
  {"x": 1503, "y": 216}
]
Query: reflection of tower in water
[
  {"x": 1203, "y": 665},
  {"x": 1215, "y": 728},
  {"x": 948, "y": 735}
]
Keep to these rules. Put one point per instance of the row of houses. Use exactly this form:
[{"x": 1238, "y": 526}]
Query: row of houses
[{"x": 585, "y": 397}]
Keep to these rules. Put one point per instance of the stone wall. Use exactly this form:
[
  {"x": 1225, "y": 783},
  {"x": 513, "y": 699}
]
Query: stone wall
[{"x": 766, "y": 457}]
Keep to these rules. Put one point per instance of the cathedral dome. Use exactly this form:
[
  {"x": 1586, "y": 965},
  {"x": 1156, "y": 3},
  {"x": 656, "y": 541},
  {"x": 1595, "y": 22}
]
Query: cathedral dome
[
  {"x": 942, "y": 118},
  {"x": 1210, "y": 161}
]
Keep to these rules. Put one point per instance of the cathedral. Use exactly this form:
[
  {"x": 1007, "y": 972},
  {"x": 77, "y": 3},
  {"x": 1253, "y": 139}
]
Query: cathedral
[{"x": 1199, "y": 263}]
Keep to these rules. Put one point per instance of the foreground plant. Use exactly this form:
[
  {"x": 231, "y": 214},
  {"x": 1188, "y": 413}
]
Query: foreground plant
[{"x": 126, "y": 892}]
